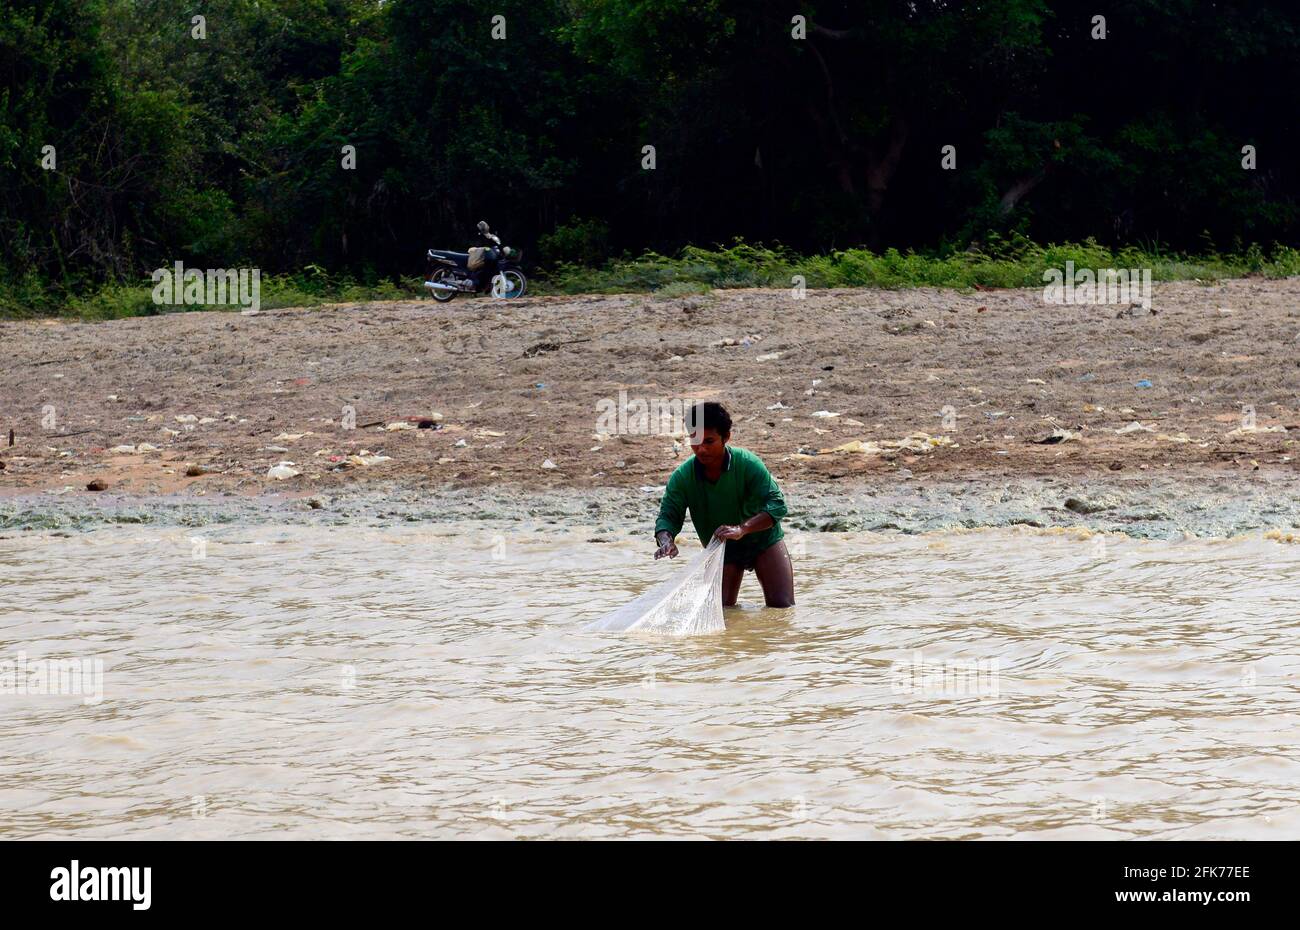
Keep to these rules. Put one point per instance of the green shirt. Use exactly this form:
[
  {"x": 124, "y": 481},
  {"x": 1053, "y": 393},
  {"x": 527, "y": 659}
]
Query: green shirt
[{"x": 744, "y": 488}]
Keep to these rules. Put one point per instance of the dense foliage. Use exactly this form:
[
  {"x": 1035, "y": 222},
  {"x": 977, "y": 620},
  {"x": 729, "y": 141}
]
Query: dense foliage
[{"x": 227, "y": 150}]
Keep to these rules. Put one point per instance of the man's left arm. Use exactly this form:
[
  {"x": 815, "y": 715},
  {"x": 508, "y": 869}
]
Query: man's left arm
[{"x": 760, "y": 488}]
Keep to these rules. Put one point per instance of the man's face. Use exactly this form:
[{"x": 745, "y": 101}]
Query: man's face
[{"x": 711, "y": 449}]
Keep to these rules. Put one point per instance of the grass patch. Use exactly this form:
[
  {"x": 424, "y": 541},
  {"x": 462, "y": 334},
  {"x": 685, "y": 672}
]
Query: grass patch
[
  {"x": 683, "y": 289},
  {"x": 998, "y": 263},
  {"x": 312, "y": 287},
  {"x": 698, "y": 270}
]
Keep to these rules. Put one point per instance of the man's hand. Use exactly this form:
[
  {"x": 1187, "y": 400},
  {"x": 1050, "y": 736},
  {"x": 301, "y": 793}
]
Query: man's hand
[
  {"x": 666, "y": 546},
  {"x": 729, "y": 532}
]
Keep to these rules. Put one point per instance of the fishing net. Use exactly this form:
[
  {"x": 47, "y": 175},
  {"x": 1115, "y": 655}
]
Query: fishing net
[{"x": 690, "y": 602}]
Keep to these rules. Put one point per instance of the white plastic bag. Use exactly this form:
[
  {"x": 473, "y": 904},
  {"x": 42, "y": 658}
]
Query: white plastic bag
[{"x": 690, "y": 602}]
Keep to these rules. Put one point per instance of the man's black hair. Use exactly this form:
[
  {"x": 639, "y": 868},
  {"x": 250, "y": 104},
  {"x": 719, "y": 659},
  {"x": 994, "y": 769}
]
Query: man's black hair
[{"x": 715, "y": 417}]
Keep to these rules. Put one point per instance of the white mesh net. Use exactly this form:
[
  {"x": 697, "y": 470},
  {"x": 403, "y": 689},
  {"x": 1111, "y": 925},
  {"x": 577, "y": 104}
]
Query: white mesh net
[{"x": 690, "y": 602}]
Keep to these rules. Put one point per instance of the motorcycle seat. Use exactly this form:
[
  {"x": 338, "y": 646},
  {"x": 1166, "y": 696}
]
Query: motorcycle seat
[{"x": 458, "y": 256}]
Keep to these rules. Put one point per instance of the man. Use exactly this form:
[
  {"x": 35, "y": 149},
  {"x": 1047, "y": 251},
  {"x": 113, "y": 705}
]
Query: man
[{"x": 731, "y": 495}]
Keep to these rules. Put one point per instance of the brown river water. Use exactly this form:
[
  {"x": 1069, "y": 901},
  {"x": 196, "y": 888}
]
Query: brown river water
[{"x": 434, "y": 681}]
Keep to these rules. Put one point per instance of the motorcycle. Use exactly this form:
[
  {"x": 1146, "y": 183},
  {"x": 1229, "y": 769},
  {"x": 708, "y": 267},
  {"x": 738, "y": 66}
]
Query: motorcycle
[{"x": 490, "y": 269}]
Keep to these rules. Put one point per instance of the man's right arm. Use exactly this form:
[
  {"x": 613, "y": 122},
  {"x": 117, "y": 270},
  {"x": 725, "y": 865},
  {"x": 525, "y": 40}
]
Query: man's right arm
[{"x": 672, "y": 514}]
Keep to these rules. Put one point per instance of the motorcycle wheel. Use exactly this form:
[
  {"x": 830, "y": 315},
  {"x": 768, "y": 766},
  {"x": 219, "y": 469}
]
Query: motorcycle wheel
[
  {"x": 441, "y": 296},
  {"x": 509, "y": 284}
]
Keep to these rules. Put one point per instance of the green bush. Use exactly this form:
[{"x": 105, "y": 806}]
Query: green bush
[
  {"x": 575, "y": 243},
  {"x": 996, "y": 262}
]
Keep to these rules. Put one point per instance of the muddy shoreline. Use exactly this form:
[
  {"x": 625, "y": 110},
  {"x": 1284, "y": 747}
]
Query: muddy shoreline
[
  {"x": 911, "y": 409},
  {"x": 1156, "y": 507}
]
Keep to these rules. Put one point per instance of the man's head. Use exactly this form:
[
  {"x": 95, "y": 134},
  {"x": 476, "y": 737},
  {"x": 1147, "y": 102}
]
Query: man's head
[{"x": 708, "y": 426}]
